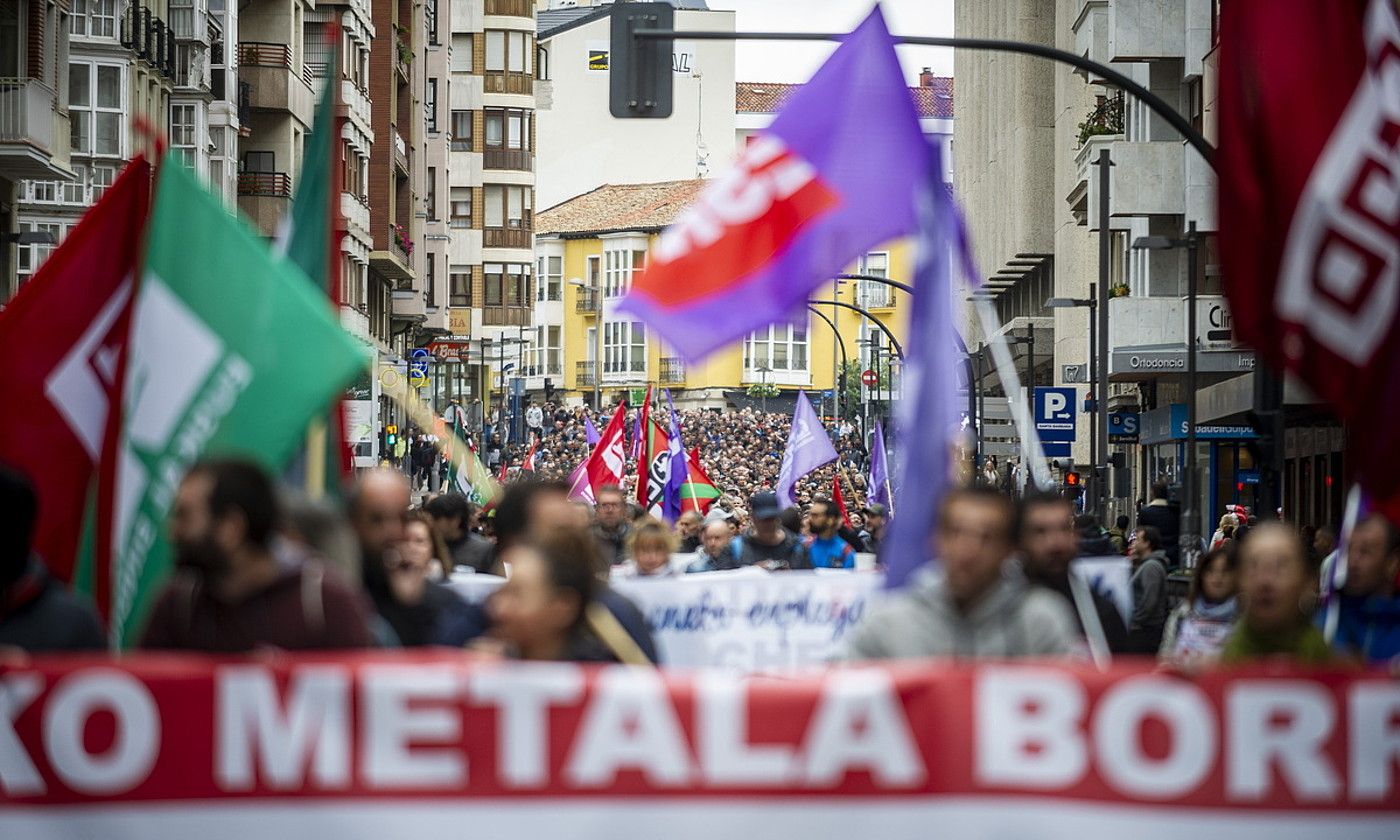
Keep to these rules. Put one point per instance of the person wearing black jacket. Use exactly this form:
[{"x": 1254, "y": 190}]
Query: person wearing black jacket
[
  {"x": 1161, "y": 514},
  {"x": 1049, "y": 541}
]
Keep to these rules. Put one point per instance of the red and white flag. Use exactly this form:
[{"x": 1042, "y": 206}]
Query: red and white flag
[
  {"x": 1309, "y": 215},
  {"x": 60, "y": 339},
  {"x": 528, "y": 465},
  {"x": 608, "y": 460}
]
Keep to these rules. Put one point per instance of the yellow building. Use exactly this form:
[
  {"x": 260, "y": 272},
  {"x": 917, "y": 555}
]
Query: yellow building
[{"x": 589, "y": 248}]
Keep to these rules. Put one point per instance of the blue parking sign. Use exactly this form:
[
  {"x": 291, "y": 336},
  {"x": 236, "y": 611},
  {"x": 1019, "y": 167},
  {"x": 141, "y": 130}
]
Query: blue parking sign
[{"x": 1055, "y": 418}]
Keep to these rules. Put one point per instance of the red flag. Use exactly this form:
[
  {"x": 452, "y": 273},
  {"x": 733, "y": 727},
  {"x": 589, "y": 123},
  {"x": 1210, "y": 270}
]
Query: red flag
[
  {"x": 60, "y": 338},
  {"x": 1309, "y": 224},
  {"x": 644, "y": 451},
  {"x": 840, "y": 500},
  {"x": 608, "y": 459},
  {"x": 528, "y": 465},
  {"x": 699, "y": 492}
]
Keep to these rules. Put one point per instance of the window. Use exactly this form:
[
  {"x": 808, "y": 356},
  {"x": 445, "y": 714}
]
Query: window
[
  {"x": 778, "y": 347},
  {"x": 508, "y": 128},
  {"x": 184, "y": 132},
  {"x": 33, "y": 256},
  {"x": 459, "y": 288},
  {"x": 431, "y": 198},
  {"x": 495, "y": 51},
  {"x": 550, "y": 273},
  {"x": 461, "y": 131},
  {"x": 508, "y": 51},
  {"x": 96, "y": 18},
  {"x": 546, "y": 352},
  {"x": 95, "y": 108},
  {"x": 430, "y": 106},
  {"x": 430, "y": 11},
  {"x": 619, "y": 266},
  {"x": 507, "y": 284},
  {"x": 624, "y": 347},
  {"x": 508, "y": 207},
  {"x": 874, "y": 294},
  {"x": 461, "y": 207},
  {"x": 258, "y": 161},
  {"x": 430, "y": 280}
]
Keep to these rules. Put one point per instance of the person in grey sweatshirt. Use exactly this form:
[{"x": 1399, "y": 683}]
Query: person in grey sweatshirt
[
  {"x": 974, "y": 603},
  {"x": 1149, "y": 586}
]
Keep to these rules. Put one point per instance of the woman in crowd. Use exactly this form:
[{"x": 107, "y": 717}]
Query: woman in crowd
[
  {"x": 1196, "y": 630},
  {"x": 649, "y": 548},
  {"x": 541, "y": 611},
  {"x": 424, "y": 549},
  {"x": 1278, "y": 591},
  {"x": 1224, "y": 531}
]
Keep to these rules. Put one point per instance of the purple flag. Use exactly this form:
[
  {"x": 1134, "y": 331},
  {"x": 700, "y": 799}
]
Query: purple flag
[
  {"x": 879, "y": 472},
  {"x": 680, "y": 468},
  {"x": 637, "y": 437},
  {"x": 836, "y": 173},
  {"x": 808, "y": 447},
  {"x": 928, "y": 412},
  {"x": 590, "y": 431}
]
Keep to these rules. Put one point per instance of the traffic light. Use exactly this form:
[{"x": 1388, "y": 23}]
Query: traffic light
[
  {"x": 391, "y": 435},
  {"x": 639, "y": 69},
  {"x": 1072, "y": 479},
  {"x": 1074, "y": 485}
]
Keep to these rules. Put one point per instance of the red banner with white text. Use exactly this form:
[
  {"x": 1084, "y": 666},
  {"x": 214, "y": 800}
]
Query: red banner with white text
[{"x": 376, "y": 746}]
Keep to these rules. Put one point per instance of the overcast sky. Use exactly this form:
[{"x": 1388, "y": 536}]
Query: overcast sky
[{"x": 770, "y": 61}]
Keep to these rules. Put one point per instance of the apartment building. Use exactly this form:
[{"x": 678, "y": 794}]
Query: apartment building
[{"x": 126, "y": 62}]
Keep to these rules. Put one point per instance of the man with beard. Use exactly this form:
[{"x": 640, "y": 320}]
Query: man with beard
[{"x": 238, "y": 586}]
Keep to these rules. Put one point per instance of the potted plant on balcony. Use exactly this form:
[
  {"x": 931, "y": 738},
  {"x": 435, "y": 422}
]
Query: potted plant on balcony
[
  {"x": 763, "y": 389},
  {"x": 405, "y": 49},
  {"x": 1106, "y": 117},
  {"x": 401, "y": 239},
  {"x": 1119, "y": 290}
]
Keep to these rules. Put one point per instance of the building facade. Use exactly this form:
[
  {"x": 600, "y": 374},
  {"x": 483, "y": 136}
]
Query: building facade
[{"x": 602, "y": 239}]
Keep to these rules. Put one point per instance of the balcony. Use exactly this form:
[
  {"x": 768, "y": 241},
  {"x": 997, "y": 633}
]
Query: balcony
[
  {"x": 1143, "y": 30},
  {"x": 498, "y": 82},
  {"x": 264, "y": 197},
  {"x": 394, "y": 261},
  {"x": 522, "y": 160},
  {"x": 511, "y": 8},
  {"x": 583, "y": 374},
  {"x": 672, "y": 370},
  {"x": 403, "y": 55},
  {"x": 277, "y": 184},
  {"x": 874, "y": 296},
  {"x": 33, "y": 136},
  {"x": 274, "y": 84},
  {"x": 507, "y": 238},
  {"x": 587, "y": 301},
  {"x": 400, "y": 152}
]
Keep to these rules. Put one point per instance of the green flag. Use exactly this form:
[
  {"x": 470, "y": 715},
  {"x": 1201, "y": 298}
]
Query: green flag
[{"x": 231, "y": 353}]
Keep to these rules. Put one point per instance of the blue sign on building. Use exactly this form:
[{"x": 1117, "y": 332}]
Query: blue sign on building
[
  {"x": 1123, "y": 426},
  {"x": 1055, "y": 420}
]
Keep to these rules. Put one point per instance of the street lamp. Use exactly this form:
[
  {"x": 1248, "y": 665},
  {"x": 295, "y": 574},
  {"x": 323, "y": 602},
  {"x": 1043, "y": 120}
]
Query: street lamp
[
  {"x": 763, "y": 371},
  {"x": 836, "y": 380},
  {"x": 1190, "y": 513},
  {"x": 1099, "y": 494},
  {"x": 597, "y": 342}
]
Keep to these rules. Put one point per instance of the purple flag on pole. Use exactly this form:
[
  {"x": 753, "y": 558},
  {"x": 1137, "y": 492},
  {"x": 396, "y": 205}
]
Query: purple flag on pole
[
  {"x": 680, "y": 468},
  {"x": 807, "y": 448},
  {"x": 835, "y": 174},
  {"x": 928, "y": 412},
  {"x": 880, "y": 472},
  {"x": 590, "y": 431},
  {"x": 637, "y": 437}
]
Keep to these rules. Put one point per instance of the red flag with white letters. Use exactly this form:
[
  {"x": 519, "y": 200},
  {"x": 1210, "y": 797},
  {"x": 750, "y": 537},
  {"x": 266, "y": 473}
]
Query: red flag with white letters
[
  {"x": 1309, "y": 192},
  {"x": 608, "y": 460},
  {"x": 60, "y": 339}
]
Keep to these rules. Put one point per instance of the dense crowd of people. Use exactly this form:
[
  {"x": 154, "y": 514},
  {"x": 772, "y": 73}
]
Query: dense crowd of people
[{"x": 257, "y": 569}]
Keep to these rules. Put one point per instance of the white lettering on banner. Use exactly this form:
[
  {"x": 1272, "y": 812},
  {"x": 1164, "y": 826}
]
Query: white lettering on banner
[
  {"x": 630, "y": 724},
  {"x": 1375, "y": 741},
  {"x": 135, "y": 742},
  {"x": 722, "y": 736},
  {"x": 1257, "y": 740},
  {"x": 397, "y": 725},
  {"x": 18, "y": 775},
  {"x": 1028, "y": 724},
  {"x": 314, "y": 727},
  {"x": 859, "y": 723},
  {"x": 522, "y": 697},
  {"x": 1118, "y": 721}
]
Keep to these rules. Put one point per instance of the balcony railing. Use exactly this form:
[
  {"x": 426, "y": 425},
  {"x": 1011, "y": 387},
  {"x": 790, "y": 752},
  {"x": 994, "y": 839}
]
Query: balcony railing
[
  {"x": 274, "y": 184},
  {"x": 875, "y": 296},
  {"x": 499, "y": 82},
  {"x": 672, "y": 370},
  {"x": 519, "y": 159},
  {"x": 506, "y": 238},
  {"x": 587, "y": 301},
  {"x": 583, "y": 374},
  {"x": 400, "y": 151},
  {"x": 26, "y": 112},
  {"x": 514, "y": 8},
  {"x": 266, "y": 54},
  {"x": 401, "y": 245}
]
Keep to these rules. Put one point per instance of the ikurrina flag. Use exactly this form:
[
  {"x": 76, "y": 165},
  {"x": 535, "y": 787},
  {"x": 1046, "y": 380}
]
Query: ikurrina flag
[
  {"x": 60, "y": 338},
  {"x": 838, "y": 172},
  {"x": 698, "y": 492},
  {"x": 231, "y": 353},
  {"x": 1310, "y": 208}
]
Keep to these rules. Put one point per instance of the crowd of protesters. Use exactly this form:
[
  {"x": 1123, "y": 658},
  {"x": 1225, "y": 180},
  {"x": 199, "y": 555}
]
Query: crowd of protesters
[{"x": 255, "y": 569}]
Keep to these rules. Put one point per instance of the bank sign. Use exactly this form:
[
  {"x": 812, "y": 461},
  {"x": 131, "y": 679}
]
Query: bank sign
[
  {"x": 1055, "y": 420},
  {"x": 1169, "y": 423}
]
